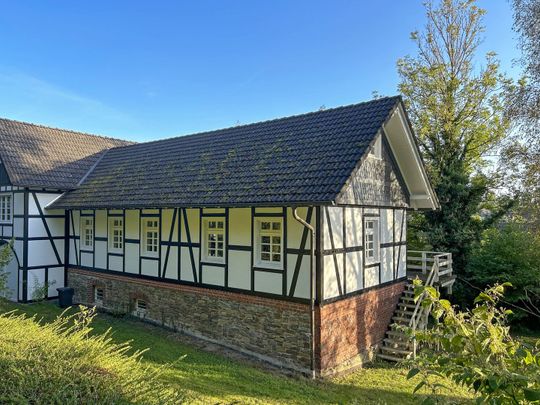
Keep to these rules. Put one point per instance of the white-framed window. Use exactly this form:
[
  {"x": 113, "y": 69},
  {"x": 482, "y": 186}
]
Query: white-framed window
[
  {"x": 150, "y": 236},
  {"x": 116, "y": 234},
  {"x": 269, "y": 243},
  {"x": 87, "y": 232},
  {"x": 6, "y": 208},
  {"x": 140, "y": 308},
  {"x": 214, "y": 239},
  {"x": 371, "y": 240},
  {"x": 98, "y": 296}
]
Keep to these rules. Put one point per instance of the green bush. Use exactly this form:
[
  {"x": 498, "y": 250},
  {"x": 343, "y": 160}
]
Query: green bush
[
  {"x": 475, "y": 350},
  {"x": 63, "y": 363},
  {"x": 511, "y": 255}
]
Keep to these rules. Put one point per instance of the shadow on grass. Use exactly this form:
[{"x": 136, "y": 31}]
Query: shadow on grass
[{"x": 214, "y": 378}]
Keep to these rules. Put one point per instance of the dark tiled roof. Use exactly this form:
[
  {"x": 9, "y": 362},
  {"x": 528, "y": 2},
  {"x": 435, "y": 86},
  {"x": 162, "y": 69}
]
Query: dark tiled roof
[
  {"x": 38, "y": 156},
  {"x": 299, "y": 159}
]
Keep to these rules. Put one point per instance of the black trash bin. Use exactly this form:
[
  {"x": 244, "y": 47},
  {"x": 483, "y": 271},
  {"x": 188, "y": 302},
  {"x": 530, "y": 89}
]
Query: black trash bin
[{"x": 65, "y": 297}]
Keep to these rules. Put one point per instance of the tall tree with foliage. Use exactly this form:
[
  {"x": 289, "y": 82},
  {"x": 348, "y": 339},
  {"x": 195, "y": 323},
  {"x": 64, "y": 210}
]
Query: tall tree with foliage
[
  {"x": 457, "y": 112},
  {"x": 521, "y": 159}
]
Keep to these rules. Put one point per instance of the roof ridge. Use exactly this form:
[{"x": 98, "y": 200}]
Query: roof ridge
[
  {"x": 212, "y": 131},
  {"x": 66, "y": 130}
]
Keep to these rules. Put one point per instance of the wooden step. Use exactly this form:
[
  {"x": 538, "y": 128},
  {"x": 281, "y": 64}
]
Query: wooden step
[
  {"x": 393, "y": 343},
  {"x": 400, "y": 320},
  {"x": 394, "y": 351},
  {"x": 397, "y": 334},
  {"x": 388, "y": 357},
  {"x": 406, "y": 305}
]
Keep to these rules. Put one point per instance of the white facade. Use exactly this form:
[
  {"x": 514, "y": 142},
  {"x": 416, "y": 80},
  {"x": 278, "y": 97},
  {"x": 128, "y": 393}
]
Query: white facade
[{"x": 38, "y": 243}]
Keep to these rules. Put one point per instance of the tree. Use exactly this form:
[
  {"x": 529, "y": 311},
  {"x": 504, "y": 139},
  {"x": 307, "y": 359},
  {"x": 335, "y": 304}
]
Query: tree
[
  {"x": 510, "y": 254},
  {"x": 457, "y": 112},
  {"x": 475, "y": 349},
  {"x": 521, "y": 158}
]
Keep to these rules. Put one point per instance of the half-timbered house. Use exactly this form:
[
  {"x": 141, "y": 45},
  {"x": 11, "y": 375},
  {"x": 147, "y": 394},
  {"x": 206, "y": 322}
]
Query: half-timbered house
[{"x": 284, "y": 239}]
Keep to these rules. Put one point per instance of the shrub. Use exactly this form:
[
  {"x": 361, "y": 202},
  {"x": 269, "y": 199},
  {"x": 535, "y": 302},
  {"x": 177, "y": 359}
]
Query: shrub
[
  {"x": 62, "y": 363},
  {"x": 512, "y": 255},
  {"x": 475, "y": 349}
]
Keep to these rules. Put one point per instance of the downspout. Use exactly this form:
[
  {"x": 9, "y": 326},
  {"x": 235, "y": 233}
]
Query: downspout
[{"x": 312, "y": 287}]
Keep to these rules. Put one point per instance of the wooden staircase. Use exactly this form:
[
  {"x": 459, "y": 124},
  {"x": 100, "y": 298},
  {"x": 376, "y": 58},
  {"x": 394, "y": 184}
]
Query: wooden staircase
[{"x": 398, "y": 345}]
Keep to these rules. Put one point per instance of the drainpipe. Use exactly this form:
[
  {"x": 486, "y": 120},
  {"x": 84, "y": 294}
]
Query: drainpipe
[{"x": 312, "y": 286}]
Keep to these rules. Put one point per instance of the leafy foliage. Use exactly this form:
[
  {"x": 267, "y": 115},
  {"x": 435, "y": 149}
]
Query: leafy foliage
[
  {"x": 475, "y": 349},
  {"x": 457, "y": 112},
  {"x": 521, "y": 157},
  {"x": 63, "y": 363},
  {"x": 509, "y": 254}
]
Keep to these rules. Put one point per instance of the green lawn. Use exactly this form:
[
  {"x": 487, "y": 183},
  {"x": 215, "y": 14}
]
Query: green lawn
[{"x": 210, "y": 378}]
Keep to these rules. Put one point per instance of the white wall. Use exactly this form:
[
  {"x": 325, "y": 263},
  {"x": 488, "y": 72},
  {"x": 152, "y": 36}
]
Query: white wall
[
  {"x": 344, "y": 270},
  {"x": 181, "y": 258}
]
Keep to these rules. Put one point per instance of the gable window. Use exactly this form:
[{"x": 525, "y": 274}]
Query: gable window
[
  {"x": 371, "y": 240},
  {"x": 87, "y": 232},
  {"x": 269, "y": 245},
  {"x": 214, "y": 240},
  {"x": 98, "y": 296},
  {"x": 6, "y": 208},
  {"x": 116, "y": 234}
]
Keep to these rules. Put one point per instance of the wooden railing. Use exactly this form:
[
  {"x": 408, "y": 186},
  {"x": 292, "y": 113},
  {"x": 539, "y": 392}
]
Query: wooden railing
[{"x": 432, "y": 266}]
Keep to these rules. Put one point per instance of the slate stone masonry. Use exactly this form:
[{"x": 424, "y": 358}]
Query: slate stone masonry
[{"x": 276, "y": 331}]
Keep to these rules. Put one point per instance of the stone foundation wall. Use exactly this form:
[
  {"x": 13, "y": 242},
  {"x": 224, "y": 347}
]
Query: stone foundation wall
[
  {"x": 349, "y": 330},
  {"x": 274, "y": 330}
]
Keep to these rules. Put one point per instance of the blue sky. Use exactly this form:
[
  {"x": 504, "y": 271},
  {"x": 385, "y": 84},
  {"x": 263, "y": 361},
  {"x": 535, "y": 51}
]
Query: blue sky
[{"x": 146, "y": 70}]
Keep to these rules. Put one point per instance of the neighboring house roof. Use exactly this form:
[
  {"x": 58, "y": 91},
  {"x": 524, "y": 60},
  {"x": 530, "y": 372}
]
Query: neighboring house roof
[
  {"x": 39, "y": 156},
  {"x": 294, "y": 160}
]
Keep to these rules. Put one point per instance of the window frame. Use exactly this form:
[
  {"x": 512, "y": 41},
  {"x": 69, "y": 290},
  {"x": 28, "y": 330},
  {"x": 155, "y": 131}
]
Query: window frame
[
  {"x": 110, "y": 235},
  {"x": 83, "y": 227},
  {"x": 259, "y": 233},
  {"x": 206, "y": 240},
  {"x": 374, "y": 231},
  {"x": 140, "y": 312},
  {"x": 7, "y": 207},
  {"x": 99, "y": 301},
  {"x": 144, "y": 240}
]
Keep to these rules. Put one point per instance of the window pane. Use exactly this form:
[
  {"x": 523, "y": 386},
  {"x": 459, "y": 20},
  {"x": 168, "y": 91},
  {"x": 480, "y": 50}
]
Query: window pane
[
  {"x": 276, "y": 239},
  {"x": 276, "y": 257},
  {"x": 265, "y": 256},
  {"x": 265, "y": 225},
  {"x": 276, "y": 226}
]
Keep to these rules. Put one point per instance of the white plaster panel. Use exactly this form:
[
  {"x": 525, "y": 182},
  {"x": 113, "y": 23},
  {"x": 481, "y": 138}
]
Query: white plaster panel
[
  {"x": 36, "y": 279},
  {"x": 56, "y": 280},
  {"x": 186, "y": 272},
  {"x": 387, "y": 225},
  {"x": 240, "y": 226},
  {"x": 86, "y": 259},
  {"x": 353, "y": 224},
  {"x": 304, "y": 276},
  {"x": 116, "y": 263},
  {"x": 335, "y": 215},
  {"x": 268, "y": 282},
  {"x": 354, "y": 272},
  {"x": 372, "y": 276},
  {"x": 295, "y": 228},
  {"x": 171, "y": 272},
  {"x": 193, "y": 221},
  {"x": 43, "y": 200},
  {"x": 132, "y": 258},
  {"x": 149, "y": 267},
  {"x": 100, "y": 223},
  {"x": 239, "y": 269},
  {"x": 132, "y": 224},
  {"x": 213, "y": 275},
  {"x": 101, "y": 254},
  {"x": 277, "y": 210},
  {"x": 330, "y": 281},
  {"x": 18, "y": 203},
  {"x": 12, "y": 270},
  {"x": 41, "y": 253},
  {"x": 387, "y": 261},
  {"x": 166, "y": 221}
]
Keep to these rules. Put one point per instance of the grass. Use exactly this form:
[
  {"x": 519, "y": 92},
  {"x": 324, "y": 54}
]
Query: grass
[{"x": 207, "y": 377}]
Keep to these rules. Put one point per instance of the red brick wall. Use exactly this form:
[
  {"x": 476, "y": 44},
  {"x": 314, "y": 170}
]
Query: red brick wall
[{"x": 351, "y": 327}]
